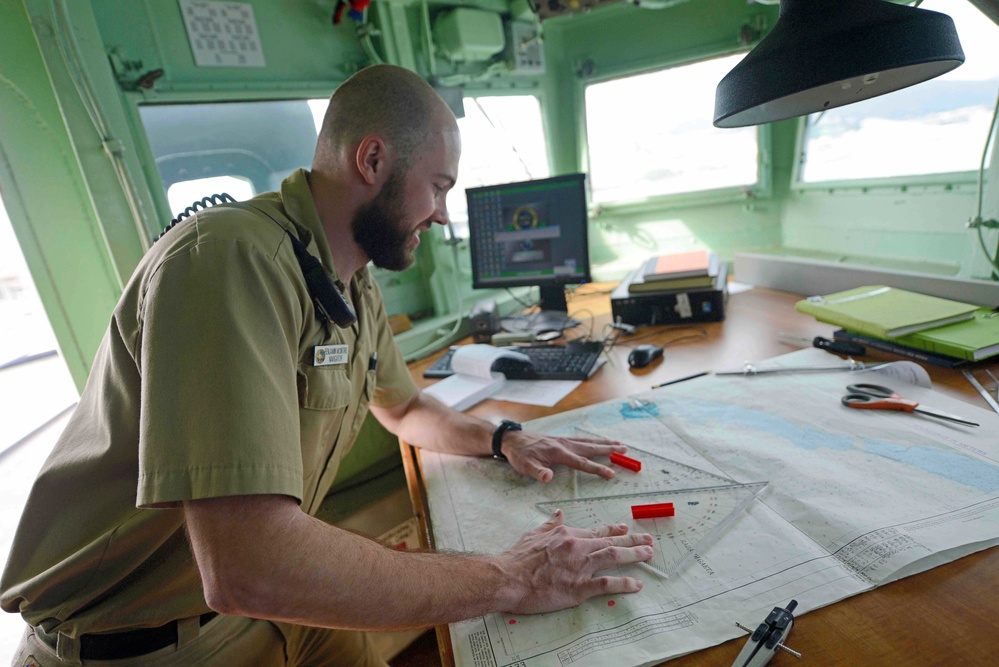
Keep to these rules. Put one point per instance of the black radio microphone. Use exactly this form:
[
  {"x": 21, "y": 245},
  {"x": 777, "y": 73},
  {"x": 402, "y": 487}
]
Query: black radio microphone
[{"x": 329, "y": 302}]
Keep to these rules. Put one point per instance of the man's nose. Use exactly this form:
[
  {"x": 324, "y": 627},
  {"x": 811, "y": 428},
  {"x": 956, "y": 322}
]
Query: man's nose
[{"x": 441, "y": 217}]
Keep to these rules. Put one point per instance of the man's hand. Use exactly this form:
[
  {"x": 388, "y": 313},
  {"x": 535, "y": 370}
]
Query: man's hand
[
  {"x": 553, "y": 566},
  {"x": 533, "y": 454}
]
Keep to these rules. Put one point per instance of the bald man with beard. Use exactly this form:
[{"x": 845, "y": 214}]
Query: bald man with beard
[{"x": 173, "y": 523}]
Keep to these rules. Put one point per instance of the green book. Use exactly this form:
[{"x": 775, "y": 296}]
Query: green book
[
  {"x": 885, "y": 312},
  {"x": 973, "y": 339}
]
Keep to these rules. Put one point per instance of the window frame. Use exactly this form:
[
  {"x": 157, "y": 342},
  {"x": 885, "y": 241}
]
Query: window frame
[
  {"x": 135, "y": 99},
  {"x": 941, "y": 182},
  {"x": 254, "y": 93},
  {"x": 762, "y": 189},
  {"x": 936, "y": 182},
  {"x": 528, "y": 90}
]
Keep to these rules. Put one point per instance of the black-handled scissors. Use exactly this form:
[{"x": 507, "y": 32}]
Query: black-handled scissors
[{"x": 877, "y": 397}]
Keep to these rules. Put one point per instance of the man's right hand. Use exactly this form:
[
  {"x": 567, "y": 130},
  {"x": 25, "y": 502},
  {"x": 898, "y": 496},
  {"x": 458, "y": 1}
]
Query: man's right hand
[{"x": 553, "y": 566}]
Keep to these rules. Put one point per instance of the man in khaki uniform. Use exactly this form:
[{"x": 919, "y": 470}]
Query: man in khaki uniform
[{"x": 173, "y": 523}]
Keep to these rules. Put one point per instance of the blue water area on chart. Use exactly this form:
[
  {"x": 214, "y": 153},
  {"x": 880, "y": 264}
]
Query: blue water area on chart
[
  {"x": 643, "y": 410},
  {"x": 950, "y": 465},
  {"x": 939, "y": 461}
]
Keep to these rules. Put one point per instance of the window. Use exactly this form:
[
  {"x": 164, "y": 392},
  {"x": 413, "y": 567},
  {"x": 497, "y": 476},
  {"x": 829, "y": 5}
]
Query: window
[
  {"x": 184, "y": 193},
  {"x": 35, "y": 384},
  {"x": 254, "y": 145},
  {"x": 241, "y": 148},
  {"x": 651, "y": 135},
  {"x": 502, "y": 141},
  {"x": 934, "y": 127}
]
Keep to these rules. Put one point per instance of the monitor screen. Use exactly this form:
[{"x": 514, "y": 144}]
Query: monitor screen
[{"x": 530, "y": 233}]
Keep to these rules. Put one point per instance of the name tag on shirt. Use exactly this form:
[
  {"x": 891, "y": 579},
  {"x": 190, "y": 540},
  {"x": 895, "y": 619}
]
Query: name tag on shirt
[{"x": 330, "y": 355}]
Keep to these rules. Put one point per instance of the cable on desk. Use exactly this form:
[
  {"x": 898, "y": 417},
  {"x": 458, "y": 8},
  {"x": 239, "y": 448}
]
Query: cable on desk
[
  {"x": 517, "y": 299},
  {"x": 610, "y": 339},
  {"x": 699, "y": 333},
  {"x": 589, "y": 328}
]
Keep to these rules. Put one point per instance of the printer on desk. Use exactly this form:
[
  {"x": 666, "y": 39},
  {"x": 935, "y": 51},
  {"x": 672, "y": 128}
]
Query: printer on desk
[{"x": 678, "y": 306}]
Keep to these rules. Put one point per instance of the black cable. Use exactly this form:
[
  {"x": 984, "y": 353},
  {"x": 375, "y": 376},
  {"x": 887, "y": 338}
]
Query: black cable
[
  {"x": 517, "y": 299},
  {"x": 701, "y": 333},
  {"x": 206, "y": 202}
]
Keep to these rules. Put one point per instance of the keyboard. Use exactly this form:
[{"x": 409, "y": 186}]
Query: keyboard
[{"x": 574, "y": 362}]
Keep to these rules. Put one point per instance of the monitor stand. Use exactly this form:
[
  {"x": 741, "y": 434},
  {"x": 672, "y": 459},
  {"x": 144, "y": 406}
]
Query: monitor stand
[{"x": 553, "y": 316}]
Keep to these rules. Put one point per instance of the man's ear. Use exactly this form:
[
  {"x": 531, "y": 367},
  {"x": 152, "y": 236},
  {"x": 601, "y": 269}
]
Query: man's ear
[{"x": 372, "y": 159}]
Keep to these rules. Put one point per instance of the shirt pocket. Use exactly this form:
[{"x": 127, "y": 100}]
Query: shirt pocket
[
  {"x": 370, "y": 380},
  {"x": 323, "y": 387}
]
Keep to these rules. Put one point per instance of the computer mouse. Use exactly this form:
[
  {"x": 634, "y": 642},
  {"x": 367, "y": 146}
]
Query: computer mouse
[{"x": 644, "y": 354}]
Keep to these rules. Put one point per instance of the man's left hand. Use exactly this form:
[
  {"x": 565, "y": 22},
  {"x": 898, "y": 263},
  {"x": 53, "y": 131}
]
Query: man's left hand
[{"x": 533, "y": 454}]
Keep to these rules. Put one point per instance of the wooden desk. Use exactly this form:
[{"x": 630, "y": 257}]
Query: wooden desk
[{"x": 946, "y": 616}]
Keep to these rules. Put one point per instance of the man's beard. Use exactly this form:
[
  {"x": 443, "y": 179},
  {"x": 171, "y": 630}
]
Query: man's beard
[{"x": 377, "y": 227}]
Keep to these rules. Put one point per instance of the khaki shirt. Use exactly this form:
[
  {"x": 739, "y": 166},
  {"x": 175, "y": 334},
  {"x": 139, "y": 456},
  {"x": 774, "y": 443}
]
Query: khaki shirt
[{"x": 205, "y": 385}]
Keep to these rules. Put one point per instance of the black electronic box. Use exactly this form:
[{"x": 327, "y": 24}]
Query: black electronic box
[{"x": 683, "y": 306}]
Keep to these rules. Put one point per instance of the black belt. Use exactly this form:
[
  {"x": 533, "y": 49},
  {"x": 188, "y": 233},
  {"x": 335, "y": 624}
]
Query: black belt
[{"x": 132, "y": 643}]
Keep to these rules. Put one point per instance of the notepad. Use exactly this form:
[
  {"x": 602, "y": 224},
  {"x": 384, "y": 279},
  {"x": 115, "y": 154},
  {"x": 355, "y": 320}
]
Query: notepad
[
  {"x": 885, "y": 312},
  {"x": 473, "y": 380}
]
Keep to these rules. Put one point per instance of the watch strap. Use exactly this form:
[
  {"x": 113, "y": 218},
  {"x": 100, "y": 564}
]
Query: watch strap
[{"x": 504, "y": 426}]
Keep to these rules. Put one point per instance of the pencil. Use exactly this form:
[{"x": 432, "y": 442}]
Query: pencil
[{"x": 688, "y": 377}]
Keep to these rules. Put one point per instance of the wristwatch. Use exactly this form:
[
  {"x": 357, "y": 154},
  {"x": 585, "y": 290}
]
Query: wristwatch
[{"x": 504, "y": 426}]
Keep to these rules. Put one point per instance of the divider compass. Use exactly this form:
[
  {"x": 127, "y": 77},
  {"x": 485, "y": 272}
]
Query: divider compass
[{"x": 768, "y": 638}]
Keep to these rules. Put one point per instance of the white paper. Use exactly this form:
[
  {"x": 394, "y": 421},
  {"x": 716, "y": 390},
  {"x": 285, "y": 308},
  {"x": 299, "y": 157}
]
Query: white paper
[
  {"x": 536, "y": 392},
  {"x": 906, "y": 371},
  {"x": 546, "y": 393},
  {"x": 463, "y": 391},
  {"x": 856, "y": 498}
]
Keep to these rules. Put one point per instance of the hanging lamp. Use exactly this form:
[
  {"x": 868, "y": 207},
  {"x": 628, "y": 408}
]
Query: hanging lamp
[{"x": 822, "y": 54}]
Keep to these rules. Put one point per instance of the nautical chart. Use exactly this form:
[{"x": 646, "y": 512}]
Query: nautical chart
[{"x": 856, "y": 498}]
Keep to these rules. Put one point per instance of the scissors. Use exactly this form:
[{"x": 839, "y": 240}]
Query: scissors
[{"x": 877, "y": 397}]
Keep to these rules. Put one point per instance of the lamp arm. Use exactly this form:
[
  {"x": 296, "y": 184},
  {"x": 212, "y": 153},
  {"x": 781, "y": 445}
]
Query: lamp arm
[{"x": 977, "y": 223}]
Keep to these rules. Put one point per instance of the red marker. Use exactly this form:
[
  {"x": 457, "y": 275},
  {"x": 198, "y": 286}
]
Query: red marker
[
  {"x": 625, "y": 461},
  {"x": 651, "y": 511}
]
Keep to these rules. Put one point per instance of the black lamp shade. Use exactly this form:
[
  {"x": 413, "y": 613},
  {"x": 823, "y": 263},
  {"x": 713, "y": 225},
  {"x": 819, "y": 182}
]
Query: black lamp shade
[{"x": 823, "y": 54}]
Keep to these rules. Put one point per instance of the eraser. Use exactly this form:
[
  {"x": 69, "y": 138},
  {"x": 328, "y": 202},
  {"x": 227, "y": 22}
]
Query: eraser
[
  {"x": 652, "y": 511},
  {"x": 625, "y": 461}
]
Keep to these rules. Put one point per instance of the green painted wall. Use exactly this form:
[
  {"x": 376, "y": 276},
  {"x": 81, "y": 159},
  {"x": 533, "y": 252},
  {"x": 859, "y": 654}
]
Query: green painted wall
[
  {"x": 51, "y": 209},
  {"x": 300, "y": 45}
]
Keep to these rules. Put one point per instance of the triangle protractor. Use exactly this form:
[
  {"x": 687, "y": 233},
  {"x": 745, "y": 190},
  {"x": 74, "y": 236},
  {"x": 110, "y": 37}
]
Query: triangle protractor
[
  {"x": 658, "y": 473},
  {"x": 701, "y": 516}
]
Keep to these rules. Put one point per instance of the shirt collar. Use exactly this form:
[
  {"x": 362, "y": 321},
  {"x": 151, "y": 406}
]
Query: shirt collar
[{"x": 296, "y": 196}]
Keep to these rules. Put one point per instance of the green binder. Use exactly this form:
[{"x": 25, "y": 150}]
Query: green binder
[
  {"x": 973, "y": 339},
  {"x": 885, "y": 312}
]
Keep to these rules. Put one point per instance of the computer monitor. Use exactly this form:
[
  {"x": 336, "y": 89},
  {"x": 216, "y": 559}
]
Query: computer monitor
[{"x": 531, "y": 233}]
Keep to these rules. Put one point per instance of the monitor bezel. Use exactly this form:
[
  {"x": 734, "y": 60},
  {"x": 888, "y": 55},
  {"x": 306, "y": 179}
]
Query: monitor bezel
[{"x": 537, "y": 281}]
